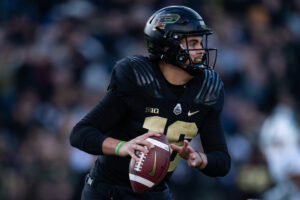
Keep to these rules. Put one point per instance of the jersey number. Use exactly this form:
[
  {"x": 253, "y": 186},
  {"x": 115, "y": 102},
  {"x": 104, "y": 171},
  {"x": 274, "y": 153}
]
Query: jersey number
[{"x": 176, "y": 133}]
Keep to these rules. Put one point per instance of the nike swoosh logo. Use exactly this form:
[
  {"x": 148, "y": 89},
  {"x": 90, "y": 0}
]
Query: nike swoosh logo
[
  {"x": 192, "y": 113},
  {"x": 152, "y": 173}
]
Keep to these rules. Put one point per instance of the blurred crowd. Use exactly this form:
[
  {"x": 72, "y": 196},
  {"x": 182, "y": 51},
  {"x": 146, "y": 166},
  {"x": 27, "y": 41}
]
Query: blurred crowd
[{"x": 55, "y": 64}]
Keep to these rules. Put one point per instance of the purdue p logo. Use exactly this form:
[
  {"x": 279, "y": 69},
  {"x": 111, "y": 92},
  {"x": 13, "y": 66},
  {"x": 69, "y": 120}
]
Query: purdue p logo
[{"x": 166, "y": 19}]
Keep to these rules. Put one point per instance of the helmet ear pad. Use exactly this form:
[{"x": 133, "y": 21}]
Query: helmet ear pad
[
  {"x": 175, "y": 53},
  {"x": 182, "y": 55}
]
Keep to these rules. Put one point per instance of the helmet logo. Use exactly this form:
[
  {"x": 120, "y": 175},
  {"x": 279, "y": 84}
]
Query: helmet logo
[{"x": 163, "y": 20}]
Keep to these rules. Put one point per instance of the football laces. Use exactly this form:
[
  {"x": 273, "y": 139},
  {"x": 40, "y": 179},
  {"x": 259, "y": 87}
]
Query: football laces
[{"x": 138, "y": 165}]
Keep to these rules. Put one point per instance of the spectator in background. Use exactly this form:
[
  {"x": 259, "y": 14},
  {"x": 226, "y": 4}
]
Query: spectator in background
[{"x": 279, "y": 141}]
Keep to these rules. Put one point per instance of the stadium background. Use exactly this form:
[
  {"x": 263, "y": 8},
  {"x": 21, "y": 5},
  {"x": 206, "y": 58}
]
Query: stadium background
[{"x": 55, "y": 62}]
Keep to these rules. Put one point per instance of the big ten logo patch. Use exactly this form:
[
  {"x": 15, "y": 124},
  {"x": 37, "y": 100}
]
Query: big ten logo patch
[{"x": 152, "y": 110}]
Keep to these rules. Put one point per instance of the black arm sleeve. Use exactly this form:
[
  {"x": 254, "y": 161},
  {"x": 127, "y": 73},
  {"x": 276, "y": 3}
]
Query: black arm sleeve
[
  {"x": 89, "y": 133},
  {"x": 214, "y": 145}
]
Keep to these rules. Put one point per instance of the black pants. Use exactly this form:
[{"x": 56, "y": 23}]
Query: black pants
[{"x": 102, "y": 191}]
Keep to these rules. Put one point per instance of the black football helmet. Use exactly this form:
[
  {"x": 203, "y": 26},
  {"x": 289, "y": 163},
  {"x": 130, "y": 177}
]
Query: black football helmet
[{"x": 167, "y": 27}]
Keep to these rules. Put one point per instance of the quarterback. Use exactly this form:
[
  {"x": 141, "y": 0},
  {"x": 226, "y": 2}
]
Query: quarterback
[{"x": 174, "y": 91}]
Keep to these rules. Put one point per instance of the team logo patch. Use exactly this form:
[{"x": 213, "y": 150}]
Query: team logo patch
[
  {"x": 177, "y": 109},
  {"x": 166, "y": 19}
]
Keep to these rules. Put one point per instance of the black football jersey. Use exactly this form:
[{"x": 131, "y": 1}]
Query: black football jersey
[{"x": 140, "y": 100}]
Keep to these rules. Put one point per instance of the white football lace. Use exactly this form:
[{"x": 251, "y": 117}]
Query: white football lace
[{"x": 138, "y": 165}]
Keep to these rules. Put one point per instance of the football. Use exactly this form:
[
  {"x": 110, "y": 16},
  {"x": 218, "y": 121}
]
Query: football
[{"x": 152, "y": 167}]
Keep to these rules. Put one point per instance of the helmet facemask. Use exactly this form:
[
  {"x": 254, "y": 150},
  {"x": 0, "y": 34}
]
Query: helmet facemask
[{"x": 175, "y": 53}]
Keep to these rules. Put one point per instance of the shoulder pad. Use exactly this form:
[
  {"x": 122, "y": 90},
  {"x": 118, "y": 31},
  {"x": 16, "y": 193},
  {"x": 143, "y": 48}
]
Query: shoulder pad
[
  {"x": 122, "y": 78},
  {"x": 211, "y": 91},
  {"x": 135, "y": 73},
  {"x": 145, "y": 76}
]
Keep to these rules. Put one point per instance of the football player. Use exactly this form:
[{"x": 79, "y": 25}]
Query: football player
[{"x": 174, "y": 91}]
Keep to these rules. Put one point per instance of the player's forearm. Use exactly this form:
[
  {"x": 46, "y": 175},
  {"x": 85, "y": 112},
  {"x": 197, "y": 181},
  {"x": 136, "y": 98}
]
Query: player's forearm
[
  {"x": 215, "y": 147},
  {"x": 218, "y": 164},
  {"x": 90, "y": 140},
  {"x": 87, "y": 138},
  {"x": 88, "y": 134},
  {"x": 109, "y": 145}
]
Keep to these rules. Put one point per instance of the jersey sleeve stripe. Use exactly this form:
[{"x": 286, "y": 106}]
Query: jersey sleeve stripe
[
  {"x": 138, "y": 78},
  {"x": 206, "y": 87},
  {"x": 137, "y": 67},
  {"x": 217, "y": 85},
  {"x": 203, "y": 85},
  {"x": 144, "y": 68},
  {"x": 142, "y": 73},
  {"x": 145, "y": 72},
  {"x": 211, "y": 87}
]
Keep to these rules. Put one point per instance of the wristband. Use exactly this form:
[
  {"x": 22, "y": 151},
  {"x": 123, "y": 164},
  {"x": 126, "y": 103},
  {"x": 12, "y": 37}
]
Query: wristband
[
  {"x": 200, "y": 158},
  {"x": 118, "y": 146}
]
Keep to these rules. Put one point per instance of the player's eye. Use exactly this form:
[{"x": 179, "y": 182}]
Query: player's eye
[{"x": 192, "y": 43}]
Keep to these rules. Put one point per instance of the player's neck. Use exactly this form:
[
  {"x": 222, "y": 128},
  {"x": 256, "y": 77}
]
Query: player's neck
[{"x": 174, "y": 75}]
